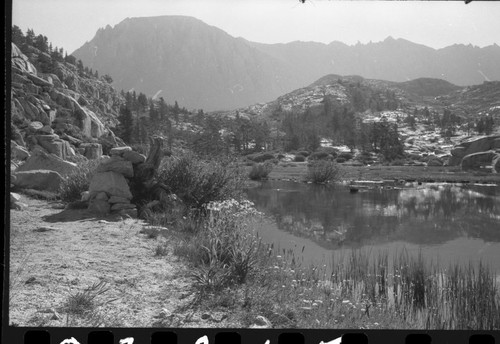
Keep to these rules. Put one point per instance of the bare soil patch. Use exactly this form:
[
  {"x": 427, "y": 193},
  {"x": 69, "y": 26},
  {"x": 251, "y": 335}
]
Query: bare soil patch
[{"x": 69, "y": 268}]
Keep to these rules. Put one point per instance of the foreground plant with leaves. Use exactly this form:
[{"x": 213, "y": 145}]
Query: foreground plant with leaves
[{"x": 226, "y": 247}]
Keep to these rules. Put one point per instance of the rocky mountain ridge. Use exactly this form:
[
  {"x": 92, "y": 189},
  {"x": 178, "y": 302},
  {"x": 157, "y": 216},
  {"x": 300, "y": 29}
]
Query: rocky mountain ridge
[
  {"x": 181, "y": 58},
  {"x": 423, "y": 100}
]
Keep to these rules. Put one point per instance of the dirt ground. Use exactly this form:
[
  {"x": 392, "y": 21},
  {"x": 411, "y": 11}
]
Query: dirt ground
[{"x": 57, "y": 254}]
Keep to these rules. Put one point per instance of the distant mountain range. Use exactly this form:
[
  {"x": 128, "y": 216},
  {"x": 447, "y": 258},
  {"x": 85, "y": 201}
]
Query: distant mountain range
[
  {"x": 468, "y": 102},
  {"x": 182, "y": 58}
]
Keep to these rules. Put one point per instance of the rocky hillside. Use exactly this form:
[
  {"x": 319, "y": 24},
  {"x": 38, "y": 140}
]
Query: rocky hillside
[
  {"x": 432, "y": 115},
  {"x": 182, "y": 58},
  {"x": 65, "y": 111}
]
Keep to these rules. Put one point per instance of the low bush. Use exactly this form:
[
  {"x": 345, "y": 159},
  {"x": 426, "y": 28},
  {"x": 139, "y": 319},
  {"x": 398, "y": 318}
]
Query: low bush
[
  {"x": 398, "y": 162},
  {"x": 304, "y": 153},
  {"x": 299, "y": 158},
  {"x": 260, "y": 171},
  {"x": 260, "y": 157},
  {"x": 198, "y": 182},
  {"x": 340, "y": 160},
  {"x": 140, "y": 148},
  {"x": 77, "y": 182},
  {"x": 322, "y": 171},
  {"x": 346, "y": 155},
  {"x": 319, "y": 156},
  {"x": 329, "y": 150}
]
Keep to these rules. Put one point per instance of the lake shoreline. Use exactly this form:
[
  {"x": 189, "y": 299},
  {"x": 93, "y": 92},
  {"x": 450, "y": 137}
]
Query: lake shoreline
[{"x": 297, "y": 171}]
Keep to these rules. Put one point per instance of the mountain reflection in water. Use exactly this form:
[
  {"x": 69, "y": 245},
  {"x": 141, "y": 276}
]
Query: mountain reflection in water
[{"x": 429, "y": 214}]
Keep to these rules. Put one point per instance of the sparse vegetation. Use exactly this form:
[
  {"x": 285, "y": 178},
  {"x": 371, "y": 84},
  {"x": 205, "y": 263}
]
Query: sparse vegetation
[
  {"x": 225, "y": 249},
  {"x": 85, "y": 301},
  {"x": 365, "y": 290},
  {"x": 161, "y": 250},
  {"x": 198, "y": 182},
  {"x": 260, "y": 171},
  {"x": 77, "y": 182},
  {"x": 299, "y": 158},
  {"x": 260, "y": 157},
  {"x": 322, "y": 171}
]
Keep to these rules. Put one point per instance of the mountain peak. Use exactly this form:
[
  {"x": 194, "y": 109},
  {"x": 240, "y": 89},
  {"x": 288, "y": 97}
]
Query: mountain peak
[{"x": 202, "y": 66}]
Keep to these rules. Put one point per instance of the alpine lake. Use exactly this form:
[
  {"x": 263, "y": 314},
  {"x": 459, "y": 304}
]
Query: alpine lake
[{"x": 444, "y": 223}]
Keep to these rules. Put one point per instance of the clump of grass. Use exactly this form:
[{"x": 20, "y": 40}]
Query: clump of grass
[
  {"x": 260, "y": 171},
  {"x": 85, "y": 301},
  {"x": 161, "y": 250},
  {"x": 367, "y": 290},
  {"x": 225, "y": 250},
  {"x": 77, "y": 182},
  {"x": 322, "y": 171},
  {"x": 151, "y": 232}
]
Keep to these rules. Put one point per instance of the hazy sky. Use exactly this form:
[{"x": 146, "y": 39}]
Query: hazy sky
[{"x": 70, "y": 23}]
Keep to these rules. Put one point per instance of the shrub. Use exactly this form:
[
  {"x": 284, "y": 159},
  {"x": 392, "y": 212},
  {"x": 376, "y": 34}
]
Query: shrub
[
  {"x": 260, "y": 171},
  {"x": 398, "y": 162},
  {"x": 260, "y": 157},
  {"x": 346, "y": 155},
  {"x": 322, "y": 171},
  {"x": 319, "y": 156},
  {"x": 329, "y": 150},
  {"x": 304, "y": 153},
  {"x": 77, "y": 182},
  {"x": 299, "y": 158},
  {"x": 198, "y": 182},
  {"x": 340, "y": 160},
  {"x": 140, "y": 148}
]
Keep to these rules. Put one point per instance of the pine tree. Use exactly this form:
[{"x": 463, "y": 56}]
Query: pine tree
[
  {"x": 153, "y": 113},
  {"x": 163, "y": 109},
  {"x": 126, "y": 124},
  {"x": 30, "y": 37},
  {"x": 18, "y": 36},
  {"x": 176, "y": 111}
]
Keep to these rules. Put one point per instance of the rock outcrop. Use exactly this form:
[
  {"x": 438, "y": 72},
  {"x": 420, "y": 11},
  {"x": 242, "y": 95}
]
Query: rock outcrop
[
  {"x": 41, "y": 160},
  {"x": 483, "y": 144},
  {"x": 37, "y": 179},
  {"x": 58, "y": 108},
  {"x": 476, "y": 161}
]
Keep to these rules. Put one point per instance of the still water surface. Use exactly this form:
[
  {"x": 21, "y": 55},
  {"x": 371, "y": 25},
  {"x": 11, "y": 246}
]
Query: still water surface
[{"x": 447, "y": 223}]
